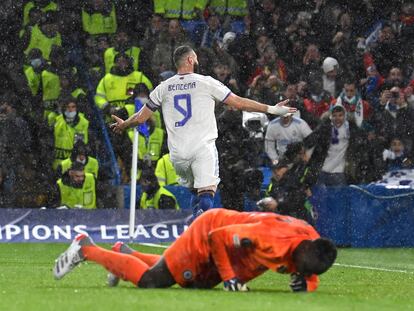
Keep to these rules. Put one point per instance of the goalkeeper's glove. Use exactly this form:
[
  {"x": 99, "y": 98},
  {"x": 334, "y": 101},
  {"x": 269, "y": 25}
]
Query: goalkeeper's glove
[
  {"x": 234, "y": 285},
  {"x": 298, "y": 283}
]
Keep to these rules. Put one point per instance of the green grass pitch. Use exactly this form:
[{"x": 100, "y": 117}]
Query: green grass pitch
[{"x": 386, "y": 282}]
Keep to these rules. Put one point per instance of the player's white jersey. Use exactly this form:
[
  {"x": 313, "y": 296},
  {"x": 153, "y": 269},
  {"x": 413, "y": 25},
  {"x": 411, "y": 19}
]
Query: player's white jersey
[{"x": 187, "y": 102}]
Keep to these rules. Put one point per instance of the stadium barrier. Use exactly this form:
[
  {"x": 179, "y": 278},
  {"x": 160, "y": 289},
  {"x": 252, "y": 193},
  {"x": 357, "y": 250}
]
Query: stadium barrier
[{"x": 355, "y": 216}]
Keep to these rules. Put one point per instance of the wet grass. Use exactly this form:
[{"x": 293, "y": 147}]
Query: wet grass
[{"x": 26, "y": 283}]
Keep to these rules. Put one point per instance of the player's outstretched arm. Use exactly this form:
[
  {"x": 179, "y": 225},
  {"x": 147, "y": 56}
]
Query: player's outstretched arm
[
  {"x": 246, "y": 104},
  {"x": 137, "y": 118}
]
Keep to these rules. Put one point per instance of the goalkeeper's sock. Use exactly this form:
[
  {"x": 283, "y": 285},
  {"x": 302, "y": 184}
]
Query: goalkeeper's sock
[
  {"x": 126, "y": 267},
  {"x": 149, "y": 259}
]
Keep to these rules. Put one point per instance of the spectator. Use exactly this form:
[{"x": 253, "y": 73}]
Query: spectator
[
  {"x": 317, "y": 101},
  {"x": 76, "y": 189},
  {"x": 165, "y": 172},
  {"x": 154, "y": 195},
  {"x": 291, "y": 93},
  {"x": 339, "y": 156},
  {"x": 371, "y": 85},
  {"x": 210, "y": 33},
  {"x": 396, "y": 156},
  {"x": 395, "y": 118},
  {"x": 228, "y": 11},
  {"x": 99, "y": 17},
  {"x": 384, "y": 53},
  {"x": 15, "y": 137},
  {"x": 358, "y": 110},
  {"x": 93, "y": 50},
  {"x": 162, "y": 58},
  {"x": 223, "y": 73},
  {"x": 70, "y": 127},
  {"x": 152, "y": 34},
  {"x": 312, "y": 60},
  {"x": 395, "y": 78},
  {"x": 283, "y": 131},
  {"x": 80, "y": 153},
  {"x": 331, "y": 83}
]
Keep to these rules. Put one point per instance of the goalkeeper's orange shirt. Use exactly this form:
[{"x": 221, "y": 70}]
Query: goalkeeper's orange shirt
[{"x": 222, "y": 244}]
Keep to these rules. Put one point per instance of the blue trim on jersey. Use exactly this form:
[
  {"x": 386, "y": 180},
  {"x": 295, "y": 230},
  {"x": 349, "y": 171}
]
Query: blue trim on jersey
[
  {"x": 228, "y": 94},
  {"x": 183, "y": 74}
]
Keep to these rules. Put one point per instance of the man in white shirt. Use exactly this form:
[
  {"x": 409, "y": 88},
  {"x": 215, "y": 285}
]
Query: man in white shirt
[
  {"x": 187, "y": 101},
  {"x": 283, "y": 131}
]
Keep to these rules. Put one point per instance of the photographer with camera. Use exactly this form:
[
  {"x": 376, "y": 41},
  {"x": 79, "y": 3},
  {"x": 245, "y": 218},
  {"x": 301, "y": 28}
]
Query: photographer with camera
[{"x": 394, "y": 118}]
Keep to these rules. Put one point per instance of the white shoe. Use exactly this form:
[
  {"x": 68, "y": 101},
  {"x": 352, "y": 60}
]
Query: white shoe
[{"x": 69, "y": 259}]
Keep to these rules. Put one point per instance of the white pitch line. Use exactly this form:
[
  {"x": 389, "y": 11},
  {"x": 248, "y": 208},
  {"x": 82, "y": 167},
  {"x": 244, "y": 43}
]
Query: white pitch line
[{"x": 373, "y": 268}]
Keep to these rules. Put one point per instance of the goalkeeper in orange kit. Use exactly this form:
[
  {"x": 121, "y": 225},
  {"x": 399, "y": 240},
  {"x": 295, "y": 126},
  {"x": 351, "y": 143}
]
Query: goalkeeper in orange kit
[{"x": 220, "y": 246}]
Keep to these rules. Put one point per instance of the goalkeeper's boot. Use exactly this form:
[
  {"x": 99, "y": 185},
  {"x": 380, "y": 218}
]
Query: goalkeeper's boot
[
  {"x": 118, "y": 247},
  {"x": 69, "y": 259}
]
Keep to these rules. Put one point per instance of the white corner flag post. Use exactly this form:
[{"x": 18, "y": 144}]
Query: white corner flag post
[{"x": 132, "y": 202}]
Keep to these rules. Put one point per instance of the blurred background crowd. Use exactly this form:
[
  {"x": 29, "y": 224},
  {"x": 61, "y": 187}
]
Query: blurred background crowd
[{"x": 347, "y": 66}]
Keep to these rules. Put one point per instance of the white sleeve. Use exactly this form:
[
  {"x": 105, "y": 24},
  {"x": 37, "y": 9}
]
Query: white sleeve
[
  {"x": 217, "y": 89},
  {"x": 155, "y": 98},
  {"x": 305, "y": 129},
  {"x": 270, "y": 144}
]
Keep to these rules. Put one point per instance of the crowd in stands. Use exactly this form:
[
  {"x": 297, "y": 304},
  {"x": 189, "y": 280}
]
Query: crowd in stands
[{"x": 347, "y": 66}]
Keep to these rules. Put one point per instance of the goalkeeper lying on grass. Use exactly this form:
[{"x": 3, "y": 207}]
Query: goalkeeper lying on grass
[{"x": 220, "y": 246}]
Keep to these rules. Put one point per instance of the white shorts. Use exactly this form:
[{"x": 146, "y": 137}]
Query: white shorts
[{"x": 201, "y": 170}]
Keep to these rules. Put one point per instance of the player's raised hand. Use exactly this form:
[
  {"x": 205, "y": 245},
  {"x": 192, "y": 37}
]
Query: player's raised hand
[
  {"x": 281, "y": 108},
  {"x": 118, "y": 126},
  {"x": 234, "y": 285}
]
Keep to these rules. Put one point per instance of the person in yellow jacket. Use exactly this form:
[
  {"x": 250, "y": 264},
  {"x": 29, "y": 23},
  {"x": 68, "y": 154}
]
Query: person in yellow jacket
[
  {"x": 122, "y": 44},
  {"x": 80, "y": 153},
  {"x": 154, "y": 195},
  {"x": 116, "y": 88},
  {"x": 33, "y": 10},
  {"x": 151, "y": 143},
  {"x": 115, "y": 95},
  {"x": 43, "y": 35},
  {"x": 99, "y": 17},
  {"x": 76, "y": 189},
  {"x": 165, "y": 172},
  {"x": 70, "y": 127},
  {"x": 32, "y": 70},
  {"x": 56, "y": 79},
  {"x": 180, "y": 9}
]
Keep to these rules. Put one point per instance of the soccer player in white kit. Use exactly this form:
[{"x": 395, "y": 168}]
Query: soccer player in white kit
[{"x": 187, "y": 101}]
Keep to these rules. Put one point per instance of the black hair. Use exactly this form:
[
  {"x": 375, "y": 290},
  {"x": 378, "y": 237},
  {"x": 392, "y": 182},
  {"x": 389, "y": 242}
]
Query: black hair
[
  {"x": 179, "y": 54},
  {"x": 338, "y": 108},
  {"x": 292, "y": 150},
  {"x": 79, "y": 148},
  {"x": 314, "y": 257},
  {"x": 77, "y": 166}
]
